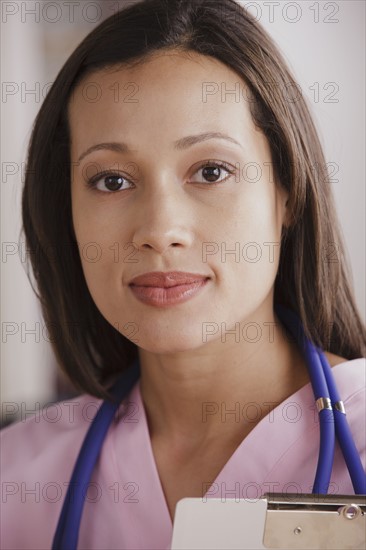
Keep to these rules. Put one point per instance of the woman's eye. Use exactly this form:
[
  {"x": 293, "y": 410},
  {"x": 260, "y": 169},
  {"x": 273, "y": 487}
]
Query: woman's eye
[
  {"x": 212, "y": 173},
  {"x": 108, "y": 182}
]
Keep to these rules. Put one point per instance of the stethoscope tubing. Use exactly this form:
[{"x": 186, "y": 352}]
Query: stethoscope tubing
[
  {"x": 332, "y": 422},
  {"x": 320, "y": 389},
  {"x": 343, "y": 433}
]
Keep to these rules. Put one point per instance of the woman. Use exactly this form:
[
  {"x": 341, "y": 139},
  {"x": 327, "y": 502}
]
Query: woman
[{"x": 168, "y": 217}]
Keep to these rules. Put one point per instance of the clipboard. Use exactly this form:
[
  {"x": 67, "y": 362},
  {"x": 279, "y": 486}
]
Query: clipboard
[{"x": 276, "y": 520}]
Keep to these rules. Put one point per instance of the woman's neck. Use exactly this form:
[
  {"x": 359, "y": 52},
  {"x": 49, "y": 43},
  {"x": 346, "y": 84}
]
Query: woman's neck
[{"x": 195, "y": 397}]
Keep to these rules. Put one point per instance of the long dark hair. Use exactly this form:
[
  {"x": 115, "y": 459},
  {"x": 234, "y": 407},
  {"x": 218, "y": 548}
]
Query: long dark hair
[{"x": 313, "y": 278}]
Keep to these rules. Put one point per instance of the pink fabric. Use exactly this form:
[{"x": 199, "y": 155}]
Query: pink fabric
[{"x": 125, "y": 506}]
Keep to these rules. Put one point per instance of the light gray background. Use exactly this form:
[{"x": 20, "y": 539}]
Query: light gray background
[{"x": 324, "y": 44}]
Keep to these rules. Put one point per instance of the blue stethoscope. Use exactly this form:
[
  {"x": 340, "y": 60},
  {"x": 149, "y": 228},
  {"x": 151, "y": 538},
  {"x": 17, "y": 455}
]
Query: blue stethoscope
[{"x": 332, "y": 421}]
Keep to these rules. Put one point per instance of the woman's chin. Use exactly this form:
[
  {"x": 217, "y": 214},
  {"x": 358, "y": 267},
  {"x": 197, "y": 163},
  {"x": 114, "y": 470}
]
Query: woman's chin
[{"x": 168, "y": 342}]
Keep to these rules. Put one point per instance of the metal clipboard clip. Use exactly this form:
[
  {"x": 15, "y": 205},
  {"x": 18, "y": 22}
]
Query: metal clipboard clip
[{"x": 315, "y": 521}]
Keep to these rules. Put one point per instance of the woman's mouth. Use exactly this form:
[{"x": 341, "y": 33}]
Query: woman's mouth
[{"x": 167, "y": 289}]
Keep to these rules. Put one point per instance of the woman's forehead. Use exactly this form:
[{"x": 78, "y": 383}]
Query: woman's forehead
[
  {"x": 169, "y": 75},
  {"x": 169, "y": 90}
]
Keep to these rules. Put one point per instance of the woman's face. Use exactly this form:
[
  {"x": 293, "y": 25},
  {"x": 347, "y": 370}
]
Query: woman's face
[{"x": 165, "y": 206}]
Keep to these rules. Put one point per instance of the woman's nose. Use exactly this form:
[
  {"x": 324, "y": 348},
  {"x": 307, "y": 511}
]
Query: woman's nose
[{"x": 163, "y": 219}]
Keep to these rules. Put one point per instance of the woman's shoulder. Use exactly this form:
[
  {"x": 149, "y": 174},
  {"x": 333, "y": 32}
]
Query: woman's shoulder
[
  {"x": 38, "y": 454},
  {"x": 350, "y": 378},
  {"x": 337, "y": 359},
  {"x": 334, "y": 359},
  {"x": 355, "y": 369},
  {"x": 52, "y": 431},
  {"x": 339, "y": 363}
]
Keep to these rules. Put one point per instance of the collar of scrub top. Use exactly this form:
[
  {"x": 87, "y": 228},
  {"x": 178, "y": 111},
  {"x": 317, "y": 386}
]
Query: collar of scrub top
[{"x": 332, "y": 423}]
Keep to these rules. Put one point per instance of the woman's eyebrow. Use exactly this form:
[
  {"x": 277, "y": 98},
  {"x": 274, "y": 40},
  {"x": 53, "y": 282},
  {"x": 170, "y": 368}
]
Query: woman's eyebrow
[
  {"x": 188, "y": 141},
  {"x": 180, "y": 144}
]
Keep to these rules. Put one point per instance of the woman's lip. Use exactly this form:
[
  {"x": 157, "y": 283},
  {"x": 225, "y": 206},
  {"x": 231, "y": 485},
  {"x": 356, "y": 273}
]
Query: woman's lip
[
  {"x": 163, "y": 297},
  {"x": 170, "y": 279}
]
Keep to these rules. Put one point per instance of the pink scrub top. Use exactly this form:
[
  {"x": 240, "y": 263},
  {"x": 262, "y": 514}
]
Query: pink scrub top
[{"x": 125, "y": 507}]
